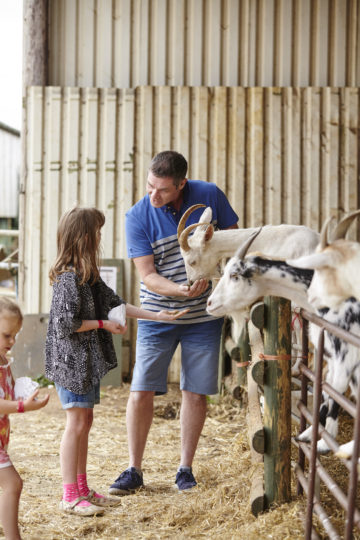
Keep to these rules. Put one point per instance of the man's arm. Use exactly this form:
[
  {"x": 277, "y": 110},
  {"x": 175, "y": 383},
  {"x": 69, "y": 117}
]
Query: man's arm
[{"x": 161, "y": 285}]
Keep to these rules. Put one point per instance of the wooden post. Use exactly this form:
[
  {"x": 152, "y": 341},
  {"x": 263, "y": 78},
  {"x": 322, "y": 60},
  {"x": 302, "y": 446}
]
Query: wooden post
[
  {"x": 255, "y": 425},
  {"x": 34, "y": 73},
  {"x": 277, "y": 393},
  {"x": 245, "y": 355},
  {"x": 35, "y": 44}
]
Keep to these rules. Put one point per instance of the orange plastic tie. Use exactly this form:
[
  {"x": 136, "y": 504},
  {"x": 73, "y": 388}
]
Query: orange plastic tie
[
  {"x": 242, "y": 364},
  {"x": 275, "y": 357}
]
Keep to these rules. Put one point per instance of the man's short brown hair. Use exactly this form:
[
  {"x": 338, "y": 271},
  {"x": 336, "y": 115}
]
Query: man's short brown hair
[{"x": 169, "y": 164}]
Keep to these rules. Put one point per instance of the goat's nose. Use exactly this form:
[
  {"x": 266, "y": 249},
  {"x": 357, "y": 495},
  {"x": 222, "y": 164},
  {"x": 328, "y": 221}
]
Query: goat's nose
[{"x": 209, "y": 302}]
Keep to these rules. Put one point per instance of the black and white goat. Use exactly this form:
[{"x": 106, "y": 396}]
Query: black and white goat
[{"x": 246, "y": 279}]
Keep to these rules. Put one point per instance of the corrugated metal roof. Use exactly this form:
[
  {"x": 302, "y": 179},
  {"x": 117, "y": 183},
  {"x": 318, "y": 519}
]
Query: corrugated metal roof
[{"x": 127, "y": 43}]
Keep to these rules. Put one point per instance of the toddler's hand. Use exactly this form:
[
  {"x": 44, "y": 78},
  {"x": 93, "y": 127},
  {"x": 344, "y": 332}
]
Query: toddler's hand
[
  {"x": 32, "y": 404},
  {"x": 114, "y": 327}
]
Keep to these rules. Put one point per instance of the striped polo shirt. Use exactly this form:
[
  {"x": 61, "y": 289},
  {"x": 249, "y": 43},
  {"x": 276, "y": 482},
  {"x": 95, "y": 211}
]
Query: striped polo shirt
[{"x": 153, "y": 231}]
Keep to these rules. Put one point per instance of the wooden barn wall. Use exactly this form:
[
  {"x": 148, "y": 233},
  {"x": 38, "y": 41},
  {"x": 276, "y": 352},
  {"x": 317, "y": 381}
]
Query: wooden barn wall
[
  {"x": 282, "y": 155},
  {"x": 128, "y": 43},
  {"x": 10, "y": 160}
]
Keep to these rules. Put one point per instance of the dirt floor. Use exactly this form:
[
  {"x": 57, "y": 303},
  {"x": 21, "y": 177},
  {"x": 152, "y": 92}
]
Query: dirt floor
[{"x": 219, "y": 508}]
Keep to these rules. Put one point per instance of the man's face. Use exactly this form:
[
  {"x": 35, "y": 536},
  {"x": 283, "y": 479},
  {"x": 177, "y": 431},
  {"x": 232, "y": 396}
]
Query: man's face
[{"x": 162, "y": 190}]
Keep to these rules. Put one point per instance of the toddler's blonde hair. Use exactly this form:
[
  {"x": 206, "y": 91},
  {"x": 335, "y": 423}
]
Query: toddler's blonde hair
[{"x": 8, "y": 306}]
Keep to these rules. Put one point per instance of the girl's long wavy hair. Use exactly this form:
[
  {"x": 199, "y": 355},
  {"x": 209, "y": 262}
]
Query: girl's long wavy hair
[{"x": 78, "y": 244}]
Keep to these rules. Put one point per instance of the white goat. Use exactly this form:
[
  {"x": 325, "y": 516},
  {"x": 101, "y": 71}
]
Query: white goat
[
  {"x": 346, "y": 451},
  {"x": 336, "y": 266},
  {"x": 245, "y": 280},
  {"x": 203, "y": 251},
  {"x": 233, "y": 297}
]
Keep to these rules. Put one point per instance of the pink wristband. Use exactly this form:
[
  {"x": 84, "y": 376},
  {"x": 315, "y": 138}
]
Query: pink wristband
[
  {"x": 101, "y": 324},
  {"x": 20, "y": 406}
]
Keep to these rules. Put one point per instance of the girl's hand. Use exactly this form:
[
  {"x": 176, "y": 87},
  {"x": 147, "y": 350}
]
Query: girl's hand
[
  {"x": 32, "y": 404},
  {"x": 114, "y": 327},
  {"x": 166, "y": 315}
]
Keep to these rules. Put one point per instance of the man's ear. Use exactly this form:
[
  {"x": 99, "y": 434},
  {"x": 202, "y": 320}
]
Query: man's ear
[{"x": 182, "y": 184}]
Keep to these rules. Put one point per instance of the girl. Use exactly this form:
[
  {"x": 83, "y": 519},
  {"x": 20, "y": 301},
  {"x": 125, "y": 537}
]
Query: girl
[
  {"x": 79, "y": 347},
  {"x": 10, "y": 481}
]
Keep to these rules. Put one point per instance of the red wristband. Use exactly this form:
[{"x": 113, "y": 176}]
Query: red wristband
[
  {"x": 101, "y": 324},
  {"x": 20, "y": 406}
]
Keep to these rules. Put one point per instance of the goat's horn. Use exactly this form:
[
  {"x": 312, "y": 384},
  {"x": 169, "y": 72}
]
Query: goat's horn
[
  {"x": 343, "y": 226},
  {"x": 184, "y": 217},
  {"x": 242, "y": 250},
  {"x": 183, "y": 240},
  {"x": 324, "y": 233}
]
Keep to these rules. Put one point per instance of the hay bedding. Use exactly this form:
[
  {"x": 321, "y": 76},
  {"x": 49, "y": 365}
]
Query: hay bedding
[{"x": 218, "y": 509}]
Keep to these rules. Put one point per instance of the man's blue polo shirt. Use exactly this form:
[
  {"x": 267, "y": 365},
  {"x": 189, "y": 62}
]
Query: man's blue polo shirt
[{"x": 153, "y": 231}]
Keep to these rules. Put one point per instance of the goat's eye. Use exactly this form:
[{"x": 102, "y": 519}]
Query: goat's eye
[
  {"x": 234, "y": 276},
  {"x": 192, "y": 263}
]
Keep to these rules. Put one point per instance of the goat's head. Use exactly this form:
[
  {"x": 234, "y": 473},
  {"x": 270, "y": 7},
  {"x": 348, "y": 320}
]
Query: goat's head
[
  {"x": 236, "y": 289},
  {"x": 329, "y": 287},
  {"x": 200, "y": 261}
]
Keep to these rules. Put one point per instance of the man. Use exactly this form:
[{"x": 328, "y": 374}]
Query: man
[{"x": 151, "y": 234}]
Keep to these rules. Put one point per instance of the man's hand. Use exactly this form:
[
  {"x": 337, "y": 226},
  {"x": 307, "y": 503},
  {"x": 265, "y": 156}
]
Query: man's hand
[{"x": 196, "y": 289}]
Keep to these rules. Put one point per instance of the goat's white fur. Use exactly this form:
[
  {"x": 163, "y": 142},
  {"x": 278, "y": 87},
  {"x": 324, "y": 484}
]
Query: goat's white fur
[
  {"x": 346, "y": 451},
  {"x": 245, "y": 281},
  {"x": 336, "y": 266},
  {"x": 336, "y": 276},
  {"x": 207, "y": 247}
]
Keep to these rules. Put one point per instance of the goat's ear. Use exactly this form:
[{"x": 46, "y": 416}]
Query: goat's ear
[
  {"x": 313, "y": 261},
  {"x": 209, "y": 233},
  {"x": 206, "y": 216}
]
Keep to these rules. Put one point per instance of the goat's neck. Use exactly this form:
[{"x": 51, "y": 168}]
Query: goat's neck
[
  {"x": 283, "y": 280},
  {"x": 296, "y": 295},
  {"x": 224, "y": 242}
]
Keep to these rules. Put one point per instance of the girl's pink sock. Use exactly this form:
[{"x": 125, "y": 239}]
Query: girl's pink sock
[
  {"x": 83, "y": 486},
  {"x": 71, "y": 492}
]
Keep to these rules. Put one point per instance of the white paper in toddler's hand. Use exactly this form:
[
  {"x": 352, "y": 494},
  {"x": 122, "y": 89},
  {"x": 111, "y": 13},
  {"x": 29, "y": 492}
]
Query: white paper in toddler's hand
[
  {"x": 24, "y": 387},
  {"x": 118, "y": 314}
]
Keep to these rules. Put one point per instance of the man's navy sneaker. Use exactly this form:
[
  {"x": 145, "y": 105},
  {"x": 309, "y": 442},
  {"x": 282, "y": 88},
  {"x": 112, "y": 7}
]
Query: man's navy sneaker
[
  {"x": 185, "y": 479},
  {"x": 128, "y": 482}
]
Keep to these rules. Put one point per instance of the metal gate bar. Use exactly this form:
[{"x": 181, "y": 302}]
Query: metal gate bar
[
  {"x": 315, "y": 467},
  {"x": 338, "y": 493},
  {"x": 325, "y": 520}
]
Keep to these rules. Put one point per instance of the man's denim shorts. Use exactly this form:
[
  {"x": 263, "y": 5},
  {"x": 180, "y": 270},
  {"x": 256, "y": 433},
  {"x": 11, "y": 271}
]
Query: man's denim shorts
[
  {"x": 156, "y": 344},
  {"x": 69, "y": 399}
]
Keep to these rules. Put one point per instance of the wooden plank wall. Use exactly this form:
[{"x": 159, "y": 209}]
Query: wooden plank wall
[{"x": 282, "y": 155}]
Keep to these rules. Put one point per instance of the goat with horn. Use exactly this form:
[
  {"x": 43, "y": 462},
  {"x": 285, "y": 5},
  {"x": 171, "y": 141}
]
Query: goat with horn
[
  {"x": 203, "y": 250},
  {"x": 336, "y": 265}
]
